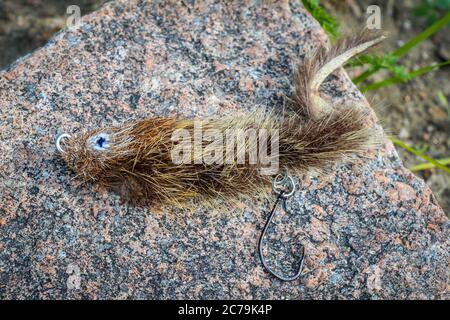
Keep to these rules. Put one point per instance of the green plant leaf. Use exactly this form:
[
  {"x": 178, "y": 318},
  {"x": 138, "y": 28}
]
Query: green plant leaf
[
  {"x": 422, "y": 36},
  {"x": 421, "y": 10},
  {"x": 420, "y": 154},
  {"x": 443, "y": 102},
  {"x": 428, "y": 165},
  {"x": 326, "y": 21},
  {"x": 443, "y": 4},
  {"x": 407, "y": 46},
  {"x": 411, "y": 75}
]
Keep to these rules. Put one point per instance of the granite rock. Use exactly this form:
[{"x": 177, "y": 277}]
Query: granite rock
[{"x": 372, "y": 230}]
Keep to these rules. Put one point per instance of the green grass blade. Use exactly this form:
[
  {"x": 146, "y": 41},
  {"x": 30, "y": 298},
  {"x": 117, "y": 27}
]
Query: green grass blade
[
  {"x": 328, "y": 23},
  {"x": 422, "y": 36},
  {"x": 420, "y": 154},
  {"x": 407, "y": 46},
  {"x": 411, "y": 75},
  {"x": 363, "y": 76},
  {"x": 427, "y": 165}
]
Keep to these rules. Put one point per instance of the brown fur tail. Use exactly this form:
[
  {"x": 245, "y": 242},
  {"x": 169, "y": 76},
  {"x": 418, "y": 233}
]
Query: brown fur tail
[
  {"x": 328, "y": 135},
  {"x": 316, "y": 145},
  {"x": 310, "y": 74}
]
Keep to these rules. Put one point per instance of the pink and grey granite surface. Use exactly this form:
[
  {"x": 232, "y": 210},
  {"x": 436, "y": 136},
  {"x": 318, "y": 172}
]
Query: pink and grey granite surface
[{"x": 372, "y": 230}]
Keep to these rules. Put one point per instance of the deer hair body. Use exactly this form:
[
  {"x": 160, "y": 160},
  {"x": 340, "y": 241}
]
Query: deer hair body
[{"x": 136, "y": 158}]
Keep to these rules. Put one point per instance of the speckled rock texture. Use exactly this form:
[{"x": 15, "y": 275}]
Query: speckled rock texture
[{"x": 372, "y": 230}]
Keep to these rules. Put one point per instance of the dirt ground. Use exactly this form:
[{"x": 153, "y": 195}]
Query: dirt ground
[
  {"x": 415, "y": 112},
  {"x": 26, "y": 25}
]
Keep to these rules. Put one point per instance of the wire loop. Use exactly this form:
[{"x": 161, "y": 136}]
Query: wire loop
[{"x": 59, "y": 139}]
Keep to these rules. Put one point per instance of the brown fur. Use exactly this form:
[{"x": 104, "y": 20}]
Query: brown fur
[{"x": 138, "y": 161}]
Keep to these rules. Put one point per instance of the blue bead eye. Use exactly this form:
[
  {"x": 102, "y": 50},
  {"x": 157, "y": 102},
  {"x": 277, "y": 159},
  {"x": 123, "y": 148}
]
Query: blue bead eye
[{"x": 99, "y": 142}]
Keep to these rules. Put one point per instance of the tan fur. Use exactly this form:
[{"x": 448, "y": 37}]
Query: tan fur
[
  {"x": 310, "y": 74},
  {"x": 138, "y": 161}
]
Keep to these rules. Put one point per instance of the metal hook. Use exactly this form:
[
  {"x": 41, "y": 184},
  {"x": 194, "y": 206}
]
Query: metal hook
[
  {"x": 58, "y": 141},
  {"x": 284, "y": 187}
]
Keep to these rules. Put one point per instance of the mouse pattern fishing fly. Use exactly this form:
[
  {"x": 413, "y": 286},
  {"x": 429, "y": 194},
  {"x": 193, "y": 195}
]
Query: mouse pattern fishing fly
[{"x": 135, "y": 158}]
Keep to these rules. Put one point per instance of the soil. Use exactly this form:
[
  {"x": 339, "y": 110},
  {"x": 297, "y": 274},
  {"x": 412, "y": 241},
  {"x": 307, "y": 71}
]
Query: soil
[
  {"x": 416, "y": 112},
  {"x": 26, "y": 25}
]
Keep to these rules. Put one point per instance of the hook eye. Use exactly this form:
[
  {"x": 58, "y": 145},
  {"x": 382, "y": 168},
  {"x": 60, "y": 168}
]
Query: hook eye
[
  {"x": 59, "y": 139},
  {"x": 284, "y": 185}
]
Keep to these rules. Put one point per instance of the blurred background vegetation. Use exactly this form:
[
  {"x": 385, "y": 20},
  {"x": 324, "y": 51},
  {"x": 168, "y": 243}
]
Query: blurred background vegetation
[
  {"x": 26, "y": 25},
  {"x": 407, "y": 81}
]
